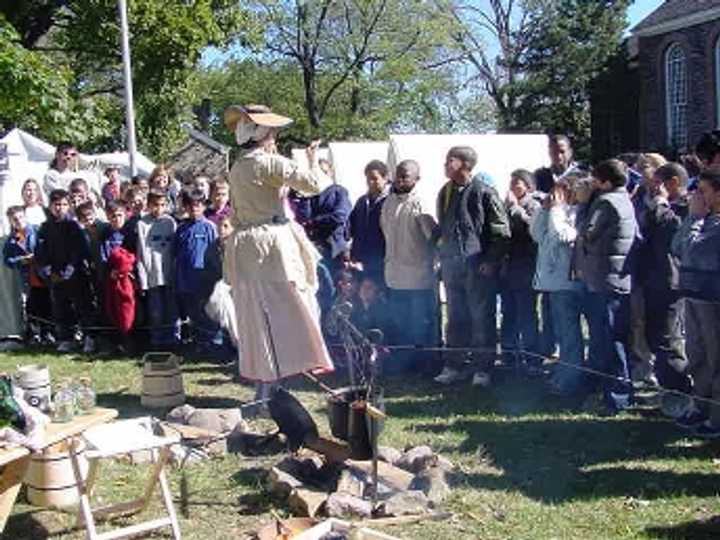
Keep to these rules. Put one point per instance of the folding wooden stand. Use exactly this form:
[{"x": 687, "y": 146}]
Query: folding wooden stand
[
  {"x": 14, "y": 461},
  {"x": 125, "y": 437}
]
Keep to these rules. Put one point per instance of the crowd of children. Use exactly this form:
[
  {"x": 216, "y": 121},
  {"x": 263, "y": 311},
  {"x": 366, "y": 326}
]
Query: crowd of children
[
  {"x": 631, "y": 247},
  {"x": 139, "y": 259}
]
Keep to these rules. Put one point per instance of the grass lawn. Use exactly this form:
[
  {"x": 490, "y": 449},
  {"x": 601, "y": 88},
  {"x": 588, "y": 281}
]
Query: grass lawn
[{"x": 528, "y": 466}]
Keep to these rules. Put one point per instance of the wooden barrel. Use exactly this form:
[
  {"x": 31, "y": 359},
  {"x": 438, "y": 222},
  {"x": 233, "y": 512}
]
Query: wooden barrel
[
  {"x": 34, "y": 379},
  {"x": 50, "y": 480},
  {"x": 162, "y": 384}
]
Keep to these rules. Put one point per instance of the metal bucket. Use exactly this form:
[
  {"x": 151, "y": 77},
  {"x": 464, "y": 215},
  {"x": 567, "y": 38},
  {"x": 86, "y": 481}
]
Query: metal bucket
[
  {"x": 338, "y": 409},
  {"x": 34, "y": 379},
  {"x": 349, "y": 421}
]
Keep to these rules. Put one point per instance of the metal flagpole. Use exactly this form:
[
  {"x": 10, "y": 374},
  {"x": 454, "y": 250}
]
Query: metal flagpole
[{"x": 127, "y": 76}]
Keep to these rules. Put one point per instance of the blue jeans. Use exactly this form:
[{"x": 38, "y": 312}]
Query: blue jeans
[
  {"x": 415, "y": 322},
  {"x": 205, "y": 331},
  {"x": 162, "y": 316},
  {"x": 608, "y": 316},
  {"x": 519, "y": 330},
  {"x": 547, "y": 338},
  {"x": 565, "y": 310}
]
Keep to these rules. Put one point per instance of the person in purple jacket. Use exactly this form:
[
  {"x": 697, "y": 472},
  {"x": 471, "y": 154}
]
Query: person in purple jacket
[
  {"x": 219, "y": 208},
  {"x": 193, "y": 237}
]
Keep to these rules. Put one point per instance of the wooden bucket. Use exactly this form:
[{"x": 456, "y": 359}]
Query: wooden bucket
[
  {"x": 34, "y": 379},
  {"x": 50, "y": 479},
  {"x": 162, "y": 384}
]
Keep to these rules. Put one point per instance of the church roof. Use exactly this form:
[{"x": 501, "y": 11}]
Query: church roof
[{"x": 674, "y": 14}]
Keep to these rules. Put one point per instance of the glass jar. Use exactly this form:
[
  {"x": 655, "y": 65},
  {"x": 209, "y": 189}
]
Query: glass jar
[
  {"x": 64, "y": 404},
  {"x": 85, "y": 396}
]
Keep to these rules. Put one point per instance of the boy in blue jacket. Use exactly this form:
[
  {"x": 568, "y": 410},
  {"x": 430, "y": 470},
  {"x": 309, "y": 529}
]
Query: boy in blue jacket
[
  {"x": 697, "y": 245},
  {"x": 62, "y": 260},
  {"x": 19, "y": 254},
  {"x": 193, "y": 237}
]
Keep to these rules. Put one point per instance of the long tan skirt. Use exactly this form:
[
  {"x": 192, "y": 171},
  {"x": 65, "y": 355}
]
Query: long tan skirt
[
  {"x": 276, "y": 321},
  {"x": 278, "y": 318}
]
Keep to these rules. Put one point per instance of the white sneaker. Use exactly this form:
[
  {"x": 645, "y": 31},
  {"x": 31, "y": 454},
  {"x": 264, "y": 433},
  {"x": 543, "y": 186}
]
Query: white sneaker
[
  {"x": 481, "y": 379},
  {"x": 448, "y": 376},
  {"x": 88, "y": 345},
  {"x": 65, "y": 346}
]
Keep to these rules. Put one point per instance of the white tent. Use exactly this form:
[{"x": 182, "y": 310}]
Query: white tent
[
  {"x": 29, "y": 157},
  {"x": 300, "y": 157},
  {"x": 498, "y": 156},
  {"x": 349, "y": 160},
  {"x": 24, "y": 156}
]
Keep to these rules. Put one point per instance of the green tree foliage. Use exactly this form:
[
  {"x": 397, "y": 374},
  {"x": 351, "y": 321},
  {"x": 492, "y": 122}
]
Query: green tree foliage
[
  {"x": 571, "y": 44},
  {"x": 79, "y": 44},
  {"x": 536, "y": 59},
  {"x": 35, "y": 94},
  {"x": 351, "y": 68}
]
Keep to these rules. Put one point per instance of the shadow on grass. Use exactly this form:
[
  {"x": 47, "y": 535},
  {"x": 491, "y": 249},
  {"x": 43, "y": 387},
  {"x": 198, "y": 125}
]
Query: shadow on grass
[
  {"x": 691, "y": 530},
  {"x": 553, "y": 460},
  {"x": 532, "y": 443},
  {"x": 25, "y": 526},
  {"x": 192, "y": 367},
  {"x": 129, "y": 404},
  {"x": 213, "y": 382},
  {"x": 253, "y": 477}
]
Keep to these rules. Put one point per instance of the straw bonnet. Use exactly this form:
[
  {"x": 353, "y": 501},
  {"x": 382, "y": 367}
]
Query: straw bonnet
[{"x": 257, "y": 114}]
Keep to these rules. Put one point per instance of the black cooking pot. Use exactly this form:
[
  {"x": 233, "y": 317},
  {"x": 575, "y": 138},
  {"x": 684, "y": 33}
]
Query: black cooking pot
[
  {"x": 338, "y": 407},
  {"x": 349, "y": 421}
]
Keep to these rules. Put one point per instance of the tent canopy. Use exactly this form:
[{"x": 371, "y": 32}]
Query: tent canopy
[
  {"x": 349, "y": 160},
  {"x": 30, "y": 157}
]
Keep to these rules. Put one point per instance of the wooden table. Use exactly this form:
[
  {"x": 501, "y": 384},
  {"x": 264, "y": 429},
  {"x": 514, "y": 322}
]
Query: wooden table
[{"x": 15, "y": 461}]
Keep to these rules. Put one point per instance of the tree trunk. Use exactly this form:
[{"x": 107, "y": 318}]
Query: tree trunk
[{"x": 311, "y": 105}]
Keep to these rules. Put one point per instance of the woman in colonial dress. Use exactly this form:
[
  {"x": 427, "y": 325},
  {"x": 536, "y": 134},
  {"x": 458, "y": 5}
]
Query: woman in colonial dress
[{"x": 269, "y": 262}]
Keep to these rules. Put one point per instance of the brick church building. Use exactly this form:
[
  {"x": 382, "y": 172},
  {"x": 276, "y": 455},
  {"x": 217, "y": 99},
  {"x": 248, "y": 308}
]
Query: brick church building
[{"x": 664, "y": 90}]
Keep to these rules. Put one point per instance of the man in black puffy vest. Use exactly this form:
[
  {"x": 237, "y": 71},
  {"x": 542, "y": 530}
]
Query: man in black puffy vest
[{"x": 603, "y": 262}]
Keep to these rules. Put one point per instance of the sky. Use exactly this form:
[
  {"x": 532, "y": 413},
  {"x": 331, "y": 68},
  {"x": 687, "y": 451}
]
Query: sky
[
  {"x": 641, "y": 9},
  {"x": 637, "y": 12}
]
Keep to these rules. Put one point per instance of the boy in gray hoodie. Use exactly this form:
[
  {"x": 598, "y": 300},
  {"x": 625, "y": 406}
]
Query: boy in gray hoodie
[
  {"x": 697, "y": 245},
  {"x": 156, "y": 268}
]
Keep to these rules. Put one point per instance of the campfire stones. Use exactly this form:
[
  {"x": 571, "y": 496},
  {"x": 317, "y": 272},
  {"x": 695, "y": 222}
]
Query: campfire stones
[
  {"x": 281, "y": 484},
  {"x": 433, "y": 482},
  {"x": 407, "y": 503},
  {"x": 391, "y": 476},
  {"x": 341, "y": 504},
  {"x": 345, "y": 489},
  {"x": 388, "y": 454},
  {"x": 351, "y": 483},
  {"x": 307, "y": 502},
  {"x": 416, "y": 459},
  {"x": 249, "y": 443},
  {"x": 215, "y": 420}
]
